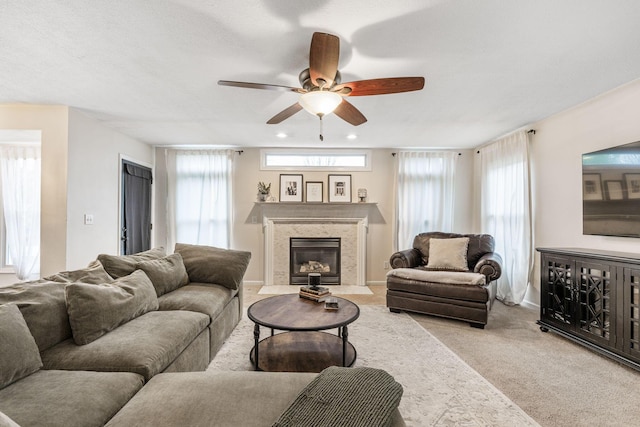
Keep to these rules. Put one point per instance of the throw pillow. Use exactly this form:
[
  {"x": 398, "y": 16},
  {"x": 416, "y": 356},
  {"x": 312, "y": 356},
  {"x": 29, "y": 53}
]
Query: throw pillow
[
  {"x": 94, "y": 273},
  {"x": 448, "y": 254},
  {"x": 166, "y": 274},
  {"x": 123, "y": 265},
  {"x": 95, "y": 310},
  {"x": 19, "y": 354},
  {"x": 207, "y": 264}
]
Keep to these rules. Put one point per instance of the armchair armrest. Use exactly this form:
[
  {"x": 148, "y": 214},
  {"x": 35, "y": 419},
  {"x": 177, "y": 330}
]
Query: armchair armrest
[
  {"x": 490, "y": 265},
  {"x": 409, "y": 258}
]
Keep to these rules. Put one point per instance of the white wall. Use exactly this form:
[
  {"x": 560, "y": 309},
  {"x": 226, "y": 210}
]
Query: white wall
[
  {"x": 379, "y": 183},
  {"x": 608, "y": 120},
  {"x": 93, "y": 186}
]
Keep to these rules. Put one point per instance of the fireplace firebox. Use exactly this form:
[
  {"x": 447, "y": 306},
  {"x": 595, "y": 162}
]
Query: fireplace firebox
[{"x": 314, "y": 255}]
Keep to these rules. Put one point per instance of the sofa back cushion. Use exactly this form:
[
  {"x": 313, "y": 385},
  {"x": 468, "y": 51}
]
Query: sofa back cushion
[
  {"x": 123, "y": 265},
  {"x": 95, "y": 310},
  {"x": 207, "y": 264},
  {"x": 167, "y": 274},
  {"x": 94, "y": 273},
  {"x": 42, "y": 304},
  {"x": 19, "y": 355},
  {"x": 479, "y": 244}
]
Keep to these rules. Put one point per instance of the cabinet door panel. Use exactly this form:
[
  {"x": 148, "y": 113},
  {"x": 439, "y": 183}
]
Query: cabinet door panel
[
  {"x": 631, "y": 310},
  {"x": 595, "y": 297},
  {"x": 557, "y": 293}
]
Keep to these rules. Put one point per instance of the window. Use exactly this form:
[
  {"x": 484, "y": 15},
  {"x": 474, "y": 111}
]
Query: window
[
  {"x": 296, "y": 159},
  {"x": 203, "y": 197},
  {"x": 425, "y": 194},
  {"x": 20, "y": 171}
]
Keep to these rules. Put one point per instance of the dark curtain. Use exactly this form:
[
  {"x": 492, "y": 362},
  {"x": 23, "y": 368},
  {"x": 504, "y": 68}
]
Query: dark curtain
[{"x": 136, "y": 233}]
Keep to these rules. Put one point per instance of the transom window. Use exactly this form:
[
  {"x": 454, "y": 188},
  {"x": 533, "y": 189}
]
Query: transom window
[{"x": 301, "y": 159}]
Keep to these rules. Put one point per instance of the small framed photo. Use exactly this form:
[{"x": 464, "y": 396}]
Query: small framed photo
[
  {"x": 290, "y": 188},
  {"x": 614, "y": 190},
  {"x": 632, "y": 180},
  {"x": 339, "y": 188},
  {"x": 314, "y": 191},
  {"x": 592, "y": 186}
]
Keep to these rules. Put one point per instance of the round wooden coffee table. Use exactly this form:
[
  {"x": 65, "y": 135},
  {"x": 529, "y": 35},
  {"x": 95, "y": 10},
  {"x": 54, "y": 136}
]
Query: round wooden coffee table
[{"x": 302, "y": 347}]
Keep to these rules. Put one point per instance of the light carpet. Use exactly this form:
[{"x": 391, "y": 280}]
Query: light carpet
[
  {"x": 335, "y": 290},
  {"x": 439, "y": 388}
]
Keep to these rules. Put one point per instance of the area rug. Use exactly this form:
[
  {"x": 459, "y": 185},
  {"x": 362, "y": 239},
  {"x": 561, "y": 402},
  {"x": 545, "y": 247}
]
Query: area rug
[
  {"x": 439, "y": 388},
  {"x": 335, "y": 290}
]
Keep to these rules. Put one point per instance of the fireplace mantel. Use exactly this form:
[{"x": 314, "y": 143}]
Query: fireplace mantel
[{"x": 280, "y": 217}]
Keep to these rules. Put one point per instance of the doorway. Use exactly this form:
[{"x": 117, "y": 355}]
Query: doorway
[{"x": 135, "y": 232}]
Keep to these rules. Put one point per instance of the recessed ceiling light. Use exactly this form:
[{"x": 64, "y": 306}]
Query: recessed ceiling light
[
  {"x": 281, "y": 135},
  {"x": 352, "y": 136}
]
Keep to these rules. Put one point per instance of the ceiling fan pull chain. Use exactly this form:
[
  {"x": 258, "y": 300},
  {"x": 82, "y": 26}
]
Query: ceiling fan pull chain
[{"x": 321, "y": 137}]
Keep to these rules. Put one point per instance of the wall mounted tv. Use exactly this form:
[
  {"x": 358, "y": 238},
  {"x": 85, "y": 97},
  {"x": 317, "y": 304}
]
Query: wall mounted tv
[{"x": 611, "y": 191}]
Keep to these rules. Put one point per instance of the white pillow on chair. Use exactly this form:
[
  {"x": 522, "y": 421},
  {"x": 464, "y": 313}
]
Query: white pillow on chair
[{"x": 448, "y": 254}]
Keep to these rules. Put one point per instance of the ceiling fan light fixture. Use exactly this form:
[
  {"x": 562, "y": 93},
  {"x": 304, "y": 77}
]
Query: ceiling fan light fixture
[{"x": 320, "y": 102}]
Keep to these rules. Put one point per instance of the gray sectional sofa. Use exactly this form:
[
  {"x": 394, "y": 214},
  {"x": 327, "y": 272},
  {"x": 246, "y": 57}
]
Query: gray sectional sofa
[{"x": 121, "y": 341}]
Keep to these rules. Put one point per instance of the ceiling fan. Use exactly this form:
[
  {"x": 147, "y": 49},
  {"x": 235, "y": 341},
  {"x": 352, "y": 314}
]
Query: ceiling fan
[{"x": 322, "y": 91}]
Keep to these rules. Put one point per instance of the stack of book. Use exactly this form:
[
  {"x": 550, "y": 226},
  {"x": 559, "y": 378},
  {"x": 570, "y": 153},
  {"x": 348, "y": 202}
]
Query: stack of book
[{"x": 318, "y": 294}]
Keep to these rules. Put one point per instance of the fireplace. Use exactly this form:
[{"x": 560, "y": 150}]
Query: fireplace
[{"x": 314, "y": 255}]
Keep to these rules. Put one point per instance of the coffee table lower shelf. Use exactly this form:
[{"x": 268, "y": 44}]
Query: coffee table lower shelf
[{"x": 301, "y": 352}]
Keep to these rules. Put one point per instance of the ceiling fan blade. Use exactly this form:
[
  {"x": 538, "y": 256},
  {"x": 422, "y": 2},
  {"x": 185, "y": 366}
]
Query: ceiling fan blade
[
  {"x": 347, "y": 112},
  {"x": 381, "y": 86},
  {"x": 260, "y": 86},
  {"x": 285, "y": 114},
  {"x": 323, "y": 59}
]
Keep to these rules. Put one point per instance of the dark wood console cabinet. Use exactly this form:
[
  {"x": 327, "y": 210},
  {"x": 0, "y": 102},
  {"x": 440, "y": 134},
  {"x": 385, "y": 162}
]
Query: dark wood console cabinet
[{"x": 593, "y": 298}]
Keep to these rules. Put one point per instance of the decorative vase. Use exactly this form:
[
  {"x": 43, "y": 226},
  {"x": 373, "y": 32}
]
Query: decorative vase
[{"x": 262, "y": 197}]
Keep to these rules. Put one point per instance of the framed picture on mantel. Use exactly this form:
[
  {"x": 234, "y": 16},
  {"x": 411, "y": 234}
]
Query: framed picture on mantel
[
  {"x": 339, "y": 188},
  {"x": 313, "y": 191},
  {"x": 290, "y": 188}
]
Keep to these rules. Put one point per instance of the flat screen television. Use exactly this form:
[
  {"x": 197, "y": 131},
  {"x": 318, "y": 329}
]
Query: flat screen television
[{"x": 611, "y": 191}]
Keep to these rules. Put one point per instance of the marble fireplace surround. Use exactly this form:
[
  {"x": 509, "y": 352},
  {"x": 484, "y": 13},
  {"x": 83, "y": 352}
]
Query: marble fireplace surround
[{"x": 350, "y": 222}]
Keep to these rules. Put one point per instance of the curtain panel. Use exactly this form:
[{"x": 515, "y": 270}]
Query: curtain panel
[
  {"x": 425, "y": 182},
  {"x": 506, "y": 211},
  {"x": 199, "y": 203},
  {"x": 20, "y": 168}
]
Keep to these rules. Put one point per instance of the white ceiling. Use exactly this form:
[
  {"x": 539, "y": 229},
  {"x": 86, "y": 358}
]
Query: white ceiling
[{"x": 150, "y": 68}]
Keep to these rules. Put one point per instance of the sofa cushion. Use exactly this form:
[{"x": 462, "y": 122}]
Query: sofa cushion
[
  {"x": 146, "y": 345},
  {"x": 94, "y": 273},
  {"x": 199, "y": 297},
  {"x": 68, "y": 398},
  {"x": 19, "y": 355},
  {"x": 95, "y": 310},
  {"x": 123, "y": 265},
  {"x": 44, "y": 309},
  {"x": 479, "y": 244},
  {"x": 207, "y": 264},
  {"x": 247, "y": 399},
  {"x": 166, "y": 274},
  {"x": 448, "y": 254}
]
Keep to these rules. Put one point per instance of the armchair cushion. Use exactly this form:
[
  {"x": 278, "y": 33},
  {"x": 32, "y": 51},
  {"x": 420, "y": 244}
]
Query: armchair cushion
[
  {"x": 447, "y": 277},
  {"x": 448, "y": 254}
]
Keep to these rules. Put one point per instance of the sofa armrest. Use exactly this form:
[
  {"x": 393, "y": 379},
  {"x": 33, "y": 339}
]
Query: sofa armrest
[
  {"x": 409, "y": 258},
  {"x": 490, "y": 264}
]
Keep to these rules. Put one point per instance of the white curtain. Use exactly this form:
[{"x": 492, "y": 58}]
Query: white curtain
[
  {"x": 506, "y": 211},
  {"x": 199, "y": 205},
  {"x": 20, "y": 169},
  {"x": 425, "y": 194}
]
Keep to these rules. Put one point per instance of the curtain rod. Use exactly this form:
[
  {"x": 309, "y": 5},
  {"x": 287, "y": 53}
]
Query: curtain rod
[{"x": 394, "y": 154}]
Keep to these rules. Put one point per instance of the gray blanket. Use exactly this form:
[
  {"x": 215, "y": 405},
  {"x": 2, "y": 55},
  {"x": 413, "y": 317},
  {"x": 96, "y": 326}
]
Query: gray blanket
[{"x": 349, "y": 397}]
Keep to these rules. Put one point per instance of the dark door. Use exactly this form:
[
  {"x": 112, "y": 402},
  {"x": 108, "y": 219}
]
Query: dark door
[{"x": 136, "y": 208}]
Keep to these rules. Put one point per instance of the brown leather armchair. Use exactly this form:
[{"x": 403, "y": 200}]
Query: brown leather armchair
[{"x": 467, "y": 296}]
